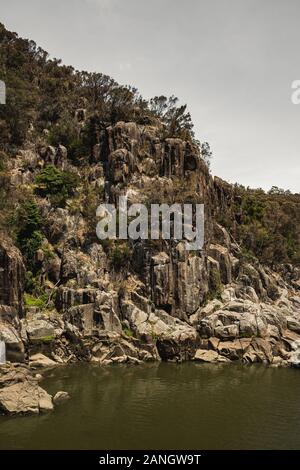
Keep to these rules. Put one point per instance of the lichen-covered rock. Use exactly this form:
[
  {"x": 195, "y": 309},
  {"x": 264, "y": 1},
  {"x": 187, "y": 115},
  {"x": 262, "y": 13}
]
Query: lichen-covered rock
[{"x": 38, "y": 329}]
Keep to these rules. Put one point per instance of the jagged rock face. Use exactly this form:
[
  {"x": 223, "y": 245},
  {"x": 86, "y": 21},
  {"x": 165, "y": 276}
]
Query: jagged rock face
[
  {"x": 133, "y": 148},
  {"x": 249, "y": 330},
  {"x": 54, "y": 156},
  {"x": 178, "y": 283},
  {"x": 113, "y": 348},
  {"x": 9, "y": 333},
  {"x": 175, "y": 279},
  {"x": 68, "y": 297},
  {"x": 100, "y": 315},
  {"x": 175, "y": 340},
  {"x": 33, "y": 158},
  {"x": 85, "y": 268},
  {"x": 162, "y": 307},
  {"x": 221, "y": 254},
  {"x": 12, "y": 273},
  {"x": 61, "y": 226},
  {"x": 20, "y": 392}
]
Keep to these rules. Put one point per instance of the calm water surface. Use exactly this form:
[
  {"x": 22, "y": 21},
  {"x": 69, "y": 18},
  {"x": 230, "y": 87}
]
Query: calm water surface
[{"x": 164, "y": 406}]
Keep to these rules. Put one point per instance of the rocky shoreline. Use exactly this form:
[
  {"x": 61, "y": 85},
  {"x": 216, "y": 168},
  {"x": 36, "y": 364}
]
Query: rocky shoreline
[
  {"x": 212, "y": 305},
  {"x": 80, "y": 140},
  {"x": 237, "y": 326},
  {"x": 20, "y": 392}
]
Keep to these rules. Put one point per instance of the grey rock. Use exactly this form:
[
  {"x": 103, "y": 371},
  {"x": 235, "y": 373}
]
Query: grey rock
[
  {"x": 25, "y": 398},
  {"x": 60, "y": 397}
]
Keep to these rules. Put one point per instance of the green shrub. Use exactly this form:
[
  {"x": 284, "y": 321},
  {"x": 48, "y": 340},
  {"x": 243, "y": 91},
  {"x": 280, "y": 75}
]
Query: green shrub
[
  {"x": 120, "y": 257},
  {"x": 29, "y": 246},
  {"x": 65, "y": 132},
  {"x": 106, "y": 244},
  {"x": 28, "y": 218},
  {"x": 253, "y": 209},
  {"x": 46, "y": 339},
  {"x": 31, "y": 301},
  {"x": 32, "y": 285},
  {"x": 58, "y": 185},
  {"x": 128, "y": 332},
  {"x": 28, "y": 224}
]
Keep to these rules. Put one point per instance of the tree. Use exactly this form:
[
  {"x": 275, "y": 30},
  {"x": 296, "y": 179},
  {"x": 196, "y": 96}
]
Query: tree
[
  {"x": 176, "y": 118},
  {"x": 29, "y": 236},
  {"x": 97, "y": 88},
  {"x": 206, "y": 152},
  {"x": 277, "y": 190}
]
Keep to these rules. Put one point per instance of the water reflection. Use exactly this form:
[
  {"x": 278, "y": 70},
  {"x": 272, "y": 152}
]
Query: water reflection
[{"x": 190, "y": 406}]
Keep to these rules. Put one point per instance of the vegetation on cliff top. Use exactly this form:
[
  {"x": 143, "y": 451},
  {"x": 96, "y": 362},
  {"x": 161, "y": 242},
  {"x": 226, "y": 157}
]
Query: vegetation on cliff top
[
  {"x": 43, "y": 93},
  {"x": 47, "y": 100}
]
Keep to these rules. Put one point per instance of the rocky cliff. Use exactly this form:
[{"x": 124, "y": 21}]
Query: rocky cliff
[
  {"x": 160, "y": 301},
  {"x": 66, "y": 296}
]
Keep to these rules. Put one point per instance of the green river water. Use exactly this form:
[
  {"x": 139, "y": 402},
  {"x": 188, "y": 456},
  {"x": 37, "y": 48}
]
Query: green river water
[{"x": 164, "y": 406}]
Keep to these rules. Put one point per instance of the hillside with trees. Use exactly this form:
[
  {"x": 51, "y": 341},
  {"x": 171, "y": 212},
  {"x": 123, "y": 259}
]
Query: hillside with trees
[{"x": 51, "y": 103}]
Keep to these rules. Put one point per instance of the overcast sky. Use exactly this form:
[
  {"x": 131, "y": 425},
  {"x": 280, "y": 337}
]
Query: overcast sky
[{"x": 231, "y": 61}]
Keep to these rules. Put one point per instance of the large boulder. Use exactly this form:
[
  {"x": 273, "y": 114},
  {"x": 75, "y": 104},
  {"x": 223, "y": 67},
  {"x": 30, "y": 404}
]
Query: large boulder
[
  {"x": 101, "y": 314},
  {"x": 260, "y": 350},
  {"x": 82, "y": 317},
  {"x": 60, "y": 397},
  {"x": 11, "y": 374},
  {"x": 106, "y": 311},
  {"x": 40, "y": 329},
  {"x": 233, "y": 350},
  {"x": 175, "y": 339},
  {"x": 25, "y": 397},
  {"x": 40, "y": 360},
  {"x": 206, "y": 355},
  {"x": 13, "y": 343}
]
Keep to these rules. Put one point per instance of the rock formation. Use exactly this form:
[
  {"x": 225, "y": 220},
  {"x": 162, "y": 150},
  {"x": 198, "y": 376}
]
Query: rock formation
[
  {"x": 80, "y": 140},
  {"x": 170, "y": 304}
]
